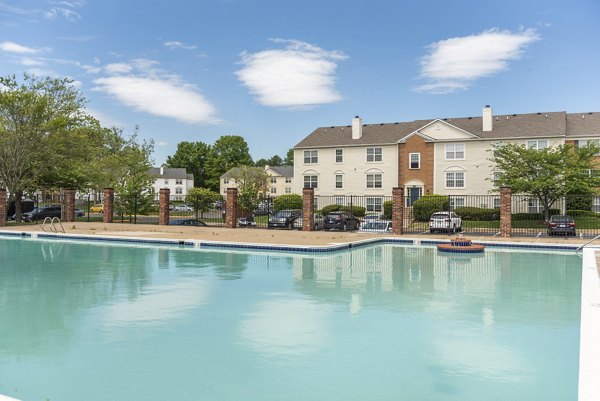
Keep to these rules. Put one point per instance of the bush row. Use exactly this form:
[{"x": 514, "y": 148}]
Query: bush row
[{"x": 358, "y": 211}]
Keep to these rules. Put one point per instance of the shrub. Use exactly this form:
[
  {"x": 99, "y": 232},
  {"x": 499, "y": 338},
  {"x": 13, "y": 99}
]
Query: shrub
[
  {"x": 291, "y": 201},
  {"x": 358, "y": 211},
  {"x": 582, "y": 213},
  {"x": 329, "y": 208},
  {"x": 387, "y": 209},
  {"x": 580, "y": 202},
  {"x": 426, "y": 205},
  {"x": 478, "y": 213}
]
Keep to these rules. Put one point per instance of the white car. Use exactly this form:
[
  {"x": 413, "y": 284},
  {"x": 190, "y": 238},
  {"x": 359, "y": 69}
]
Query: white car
[
  {"x": 183, "y": 208},
  {"x": 376, "y": 226},
  {"x": 445, "y": 221}
]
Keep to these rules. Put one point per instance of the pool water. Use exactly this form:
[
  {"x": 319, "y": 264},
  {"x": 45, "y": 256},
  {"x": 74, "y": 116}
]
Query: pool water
[{"x": 94, "y": 322}]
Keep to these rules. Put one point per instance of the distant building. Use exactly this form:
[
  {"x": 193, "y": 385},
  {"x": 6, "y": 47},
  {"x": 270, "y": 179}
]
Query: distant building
[
  {"x": 281, "y": 181},
  {"x": 176, "y": 179}
]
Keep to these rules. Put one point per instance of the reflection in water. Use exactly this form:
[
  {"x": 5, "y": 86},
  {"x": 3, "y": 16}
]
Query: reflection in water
[{"x": 286, "y": 326}]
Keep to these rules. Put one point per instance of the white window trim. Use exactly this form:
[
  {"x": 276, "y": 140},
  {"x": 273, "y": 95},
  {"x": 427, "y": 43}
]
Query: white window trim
[
  {"x": 335, "y": 155},
  {"x": 464, "y": 151},
  {"x": 374, "y": 203},
  {"x": 374, "y": 155},
  {"x": 335, "y": 176},
  {"x": 310, "y": 175},
  {"x": 410, "y": 161},
  {"x": 311, "y": 157},
  {"x": 454, "y": 172},
  {"x": 537, "y": 144},
  {"x": 374, "y": 181}
]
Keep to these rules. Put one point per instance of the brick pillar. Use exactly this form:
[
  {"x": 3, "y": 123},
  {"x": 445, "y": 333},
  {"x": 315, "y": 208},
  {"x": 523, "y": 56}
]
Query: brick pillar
[
  {"x": 108, "y": 205},
  {"x": 308, "y": 209},
  {"x": 3, "y": 207},
  {"x": 69, "y": 208},
  {"x": 231, "y": 208},
  {"x": 505, "y": 212},
  {"x": 398, "y": 210},
  {"x": 164, "y": 198}
]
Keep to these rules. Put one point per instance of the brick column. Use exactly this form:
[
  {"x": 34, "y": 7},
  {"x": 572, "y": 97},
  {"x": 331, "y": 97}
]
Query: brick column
[
  {"x": 163, "y": 207},
  {"x": 505, "y": 212},
  {"x": 108, "y": 205},
  {"x": 398, "y": 210},
  {"x": 308, "y": 209},
  {"x": 3, "y": 207},
  {"x": 69, "y": 208},
  {"x": 231, "y": 208}
]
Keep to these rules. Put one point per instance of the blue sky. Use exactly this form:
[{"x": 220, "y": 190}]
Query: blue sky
[{"x": 272, "y": 71}]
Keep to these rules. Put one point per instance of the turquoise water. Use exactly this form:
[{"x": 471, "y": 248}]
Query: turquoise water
[{"x": 90, "y": 322}]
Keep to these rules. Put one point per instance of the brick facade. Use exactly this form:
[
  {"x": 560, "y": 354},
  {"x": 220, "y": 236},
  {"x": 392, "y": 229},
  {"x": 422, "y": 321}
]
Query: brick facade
[
  {"x": 308, "y": 209},
  {"x": 163, "y": 206},
  {"x": 397, "y": 210},
  {"x": 109, "y": 204},
  {"x": 3, "y": 207},
  {"x": 69, "y": 208},
  {"x": 231, "y": 208},
  {"x": 505, "y": 212},
  {"x": 424, "y": 173}
]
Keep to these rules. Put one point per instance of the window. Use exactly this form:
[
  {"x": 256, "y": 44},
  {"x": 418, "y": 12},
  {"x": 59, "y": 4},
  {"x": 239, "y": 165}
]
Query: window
[
  {"x": 311, "y": 156},
  {"x": 288, "y": 190},
  {"x": 273, "y": 190},
  {"x": 178, "y": 190},
  {"x": 374, "y": 204},
  {"x": 374, "y": 181},
  {"x": 311, "y": 181},
  {"x": 533, "y": 205},
  {"x": 414, "y": 161},
  {"x": 537, "y": 144},
  {"x": 496, "y": 203},
  {"x": 178, "y": 181},
  {"x": 584, "y": 142},
  {"x": 288, "y": 180},
  {"x": 225, "y": 181},
  {"x": 374, "y": 155},
  {"x": 273, "y": 180},
  {"x": 166, "y": 182},
  {"x": 339, "y": 200},
  {"x": 457, "y": 201},
  {"x": 339, "y": 181},
  {"x": 339, "y": 155},
  {"x": 495, "y": 178},
  {"x": 455, "y": 151},
  {"x": 455, "y": 179}
]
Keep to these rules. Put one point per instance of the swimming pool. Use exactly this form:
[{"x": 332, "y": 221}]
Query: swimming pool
[{"x": 383, "y": 322}]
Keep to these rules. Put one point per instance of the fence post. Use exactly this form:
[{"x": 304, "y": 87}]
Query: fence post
[
  {"x": 69, "y": 205},
  {"x": 3, "y": 207},
  {"x": 163, "y": 206},
  {"x": 308, "y": 209},
  {"x": 231, "y": 208},
  {"x": 505, "y": 212},
  {"x": 108, "y": 205},
  {"x": 398, "y": 210}
]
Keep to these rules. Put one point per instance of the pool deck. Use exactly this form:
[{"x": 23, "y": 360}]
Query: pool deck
[{"x": 589, "y": 365}]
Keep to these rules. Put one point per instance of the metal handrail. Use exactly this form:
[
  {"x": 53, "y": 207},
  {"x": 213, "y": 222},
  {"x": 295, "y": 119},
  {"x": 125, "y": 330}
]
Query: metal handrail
[
  {"x": 52, "y": 228},
  {"x": 590, "y": 241}
]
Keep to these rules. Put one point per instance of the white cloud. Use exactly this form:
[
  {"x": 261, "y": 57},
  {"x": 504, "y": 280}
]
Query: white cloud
[
  {"x": 300, "y": 75},
  {"x": 140, "y": 85},
  {"x": 67, "y": 13},
  {"x": 12, "y": 47},
  {"x": 174, "y": 44},
  {"x": 453, "y": 64},
  {"x": 29, "y": 62}
]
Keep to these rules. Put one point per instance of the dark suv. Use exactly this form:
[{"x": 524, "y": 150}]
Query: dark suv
[
  {"x": 43, "y": 212},
  {"x": 341, "y": 221}
]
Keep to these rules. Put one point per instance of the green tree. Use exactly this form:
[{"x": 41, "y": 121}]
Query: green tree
[
  {"x": 227, "y": 152},
  {"x": 251, "y": 182},
  {"x": 547, "y": 174},
  {"x": 192, "y": 156},
  {"x": 289, "y": 201},
  {"x": 289, "y": 158},
  {"x": 30, "y": 112},
  {"x": 201, "y": 199}
]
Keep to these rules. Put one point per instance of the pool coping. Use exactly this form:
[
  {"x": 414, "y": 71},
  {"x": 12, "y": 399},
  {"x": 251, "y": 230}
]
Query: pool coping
[{"x": 589, "y": 349}]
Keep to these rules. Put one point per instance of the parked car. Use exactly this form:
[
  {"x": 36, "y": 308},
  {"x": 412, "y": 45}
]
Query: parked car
[
  {"x": 183, "y": 208},
  {"x": 98, "y": 208},
  {"x": 341, "y": 220},
  {"x": 27, "y": 205},
  {"x": 79, "y": 213},
  {"x": 371, "y": 216},
  {"x": 284, "y": 218},
  {"x": 376, "y": 226},
  {"x": 445, "y": 221},
  {"x": 318, "y": 222},
  {"x": 219, "y": 204},
  {"x": 42, "y": 212},
  {"x": 188, "y": 222},
  {"x": 561, "y": 224},
  {"x": 246, "y": 222}
]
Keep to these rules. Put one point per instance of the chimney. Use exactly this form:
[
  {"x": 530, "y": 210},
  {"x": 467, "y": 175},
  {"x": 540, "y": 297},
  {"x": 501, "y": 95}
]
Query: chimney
[
  {"x": 162, "y": 170},
  {"x": 487, "y": 118},
  {"x": 356, "y": 127}
]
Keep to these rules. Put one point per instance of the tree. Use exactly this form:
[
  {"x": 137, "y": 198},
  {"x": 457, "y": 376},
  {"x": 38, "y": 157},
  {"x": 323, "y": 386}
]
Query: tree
[
  {"x": 31, "y": 112},
  {"x": 201, "y": 199},
  {"x": 547, "y": 174},
  {"x": 289, "y": 158},
  {"x": 227, "y": 152},
  {"x": 192, "y": 156},
  {"x": 251, "y": 182},
  {"x": 273, "y": 161}
]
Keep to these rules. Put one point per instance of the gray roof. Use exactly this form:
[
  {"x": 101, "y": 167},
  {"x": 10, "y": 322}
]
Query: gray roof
[
  {"x": 552, "y": 124},
  {"x": 284, "y": 171},
  {"x": 169, "y": 172}
]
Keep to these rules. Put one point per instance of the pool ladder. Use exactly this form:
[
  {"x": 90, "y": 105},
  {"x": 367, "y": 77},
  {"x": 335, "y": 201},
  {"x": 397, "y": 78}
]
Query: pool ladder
[
  {"x": 589, "y": 242},
  {"x": 52, "y": 227}
]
